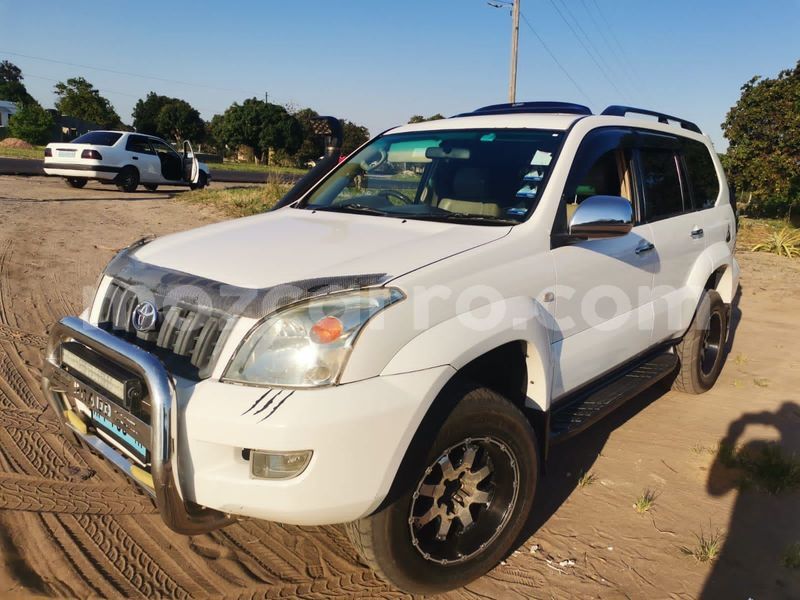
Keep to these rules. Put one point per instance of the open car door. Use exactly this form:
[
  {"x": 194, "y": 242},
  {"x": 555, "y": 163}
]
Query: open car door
[{"x": 191, "y": 167}]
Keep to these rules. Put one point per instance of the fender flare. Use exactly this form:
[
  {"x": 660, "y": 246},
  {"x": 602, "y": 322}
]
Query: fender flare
[{"x": 459, "y": 340}]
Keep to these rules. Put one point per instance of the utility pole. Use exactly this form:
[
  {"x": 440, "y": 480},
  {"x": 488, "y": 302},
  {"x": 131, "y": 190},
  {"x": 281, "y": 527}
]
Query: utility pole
[
  {"x": 266, "y": 97},
  {"x": 512, "y": 81}
]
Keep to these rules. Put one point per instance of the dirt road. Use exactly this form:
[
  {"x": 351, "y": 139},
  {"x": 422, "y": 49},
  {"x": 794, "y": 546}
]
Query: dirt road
[{"x": 71, "y": 527}]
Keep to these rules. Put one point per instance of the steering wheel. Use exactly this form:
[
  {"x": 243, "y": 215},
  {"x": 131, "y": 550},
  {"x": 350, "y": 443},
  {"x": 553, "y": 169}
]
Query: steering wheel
[
  {"x": 367, "y": 166},
  {"x": 395, "y": 194}
]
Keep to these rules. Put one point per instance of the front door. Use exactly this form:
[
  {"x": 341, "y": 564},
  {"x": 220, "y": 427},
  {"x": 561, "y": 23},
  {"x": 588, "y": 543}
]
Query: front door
[
  {"x": 191, "y": 167},
  {"x": 144, "y": 157},
  {"x": 603, "y": 306}
]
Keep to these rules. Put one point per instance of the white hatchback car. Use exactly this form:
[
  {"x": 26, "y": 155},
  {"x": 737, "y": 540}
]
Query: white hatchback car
[
  {"x": 398, "y": 348},
  {"x": 126, "y": 159}
]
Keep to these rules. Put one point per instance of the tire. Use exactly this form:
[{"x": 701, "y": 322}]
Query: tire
[
  {"x": 400, "y": 542},
  {"x": 702, "y": 350},
  {"x": 128, "y": 179},
  {"x": 76, "y": 182},
  {"x": 202, "y": 181},
  {"x": 150, "y": 187}
]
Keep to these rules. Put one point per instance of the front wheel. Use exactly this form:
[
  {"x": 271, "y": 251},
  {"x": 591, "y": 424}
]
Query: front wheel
[
  {"x": 702, "y": 349},
  {"x": 76, "y": 182},
  {"x": 465, "y": 503},
  {"x": 202, "y": 181}
]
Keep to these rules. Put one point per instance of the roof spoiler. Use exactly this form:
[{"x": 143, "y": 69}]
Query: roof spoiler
[
  {"x": 530, "y": 107},
  {"x": 616, "y": 110}
]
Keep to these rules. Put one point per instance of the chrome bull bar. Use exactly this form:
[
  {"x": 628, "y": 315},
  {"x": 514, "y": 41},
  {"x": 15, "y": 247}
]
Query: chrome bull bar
[{"x": 178, "y": 514}]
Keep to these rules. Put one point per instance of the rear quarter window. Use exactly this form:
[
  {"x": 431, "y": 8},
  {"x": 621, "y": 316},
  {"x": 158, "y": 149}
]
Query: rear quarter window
[
  {"x": 701, "y": 173},
  {"x": 98, "y": 138}
]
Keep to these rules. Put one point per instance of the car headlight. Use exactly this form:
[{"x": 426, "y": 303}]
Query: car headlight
[{"x": 307, "y": 345}]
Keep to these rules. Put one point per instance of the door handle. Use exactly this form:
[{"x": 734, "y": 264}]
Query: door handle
[
  {"x": 697, "y": 232},
  {"x": 644, "y": 246},
  {"x": 135, "y": 157}
]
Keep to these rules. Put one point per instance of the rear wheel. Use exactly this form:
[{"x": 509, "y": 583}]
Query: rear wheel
[
  {"x": 702, "y": 349},
  {"x": 128, "y": 179},
  {"x": 466, "y": 501},
  {"x": 150, "y": 187},
  {"x": 76, "y": 182}
]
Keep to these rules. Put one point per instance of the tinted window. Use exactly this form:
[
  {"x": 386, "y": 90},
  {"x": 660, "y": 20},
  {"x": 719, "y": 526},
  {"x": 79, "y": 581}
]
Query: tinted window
[
  {"x": 701, "y": 174},
  {"x": 601, "y": 168},
  {"x": 98, "y": 138},
  {"x": 138, "y": 143},
  {"x": 661, "y": 183}
]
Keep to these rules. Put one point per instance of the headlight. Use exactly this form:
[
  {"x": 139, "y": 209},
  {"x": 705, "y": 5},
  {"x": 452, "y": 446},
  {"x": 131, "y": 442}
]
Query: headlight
[{"x": 307, "y": 345}]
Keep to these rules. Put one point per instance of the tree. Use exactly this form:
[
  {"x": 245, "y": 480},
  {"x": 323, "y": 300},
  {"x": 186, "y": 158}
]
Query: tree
[
  {"x": 421, "y": 119},
  {"x": 260, "y": 125},
  {"x": 177, "y": 120},
  {"x": 313, "y": 145},
  {"x": 167, "y": 117},
  {"x": 31, "y": 123},
  {"x": 79, "y": 98},
  {"x": 145, "y": 113},
  {"x": 354, "y": 136},
  {"x": 763, "y": 158},
  {"x": 11, "y": 87}
]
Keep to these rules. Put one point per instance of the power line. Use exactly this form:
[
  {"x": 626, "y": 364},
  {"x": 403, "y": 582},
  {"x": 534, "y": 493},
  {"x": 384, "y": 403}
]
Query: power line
[
  {"x": 586, "y": 48},
  {"x": 107, "y": 91},
  {"x": 553, "y": 56},
  {"x": 126, "y": 73},
  {"x": 600, "y": 55},
  {"x": 622, "y": 55}
]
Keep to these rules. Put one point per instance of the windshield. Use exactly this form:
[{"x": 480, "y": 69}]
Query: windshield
[
  {"x": 487, "y": 176},
  {"x": 98, "y": 138}
]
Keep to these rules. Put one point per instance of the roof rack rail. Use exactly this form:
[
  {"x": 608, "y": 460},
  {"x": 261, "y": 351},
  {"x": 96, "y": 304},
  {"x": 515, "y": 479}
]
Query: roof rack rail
[
  {"x": 530, "y": 107},
  {"x": 616, "y": 110}
]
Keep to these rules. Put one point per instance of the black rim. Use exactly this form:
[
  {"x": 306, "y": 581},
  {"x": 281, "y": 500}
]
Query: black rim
[
  {"x": 464, "y": 500},
  {"x": 128, "y": 180},
  {"x": 711, "y": 345}
]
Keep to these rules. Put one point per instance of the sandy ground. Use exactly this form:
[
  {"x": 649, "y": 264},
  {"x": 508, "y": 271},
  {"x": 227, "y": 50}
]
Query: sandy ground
[{"x": 71, "y": 527}]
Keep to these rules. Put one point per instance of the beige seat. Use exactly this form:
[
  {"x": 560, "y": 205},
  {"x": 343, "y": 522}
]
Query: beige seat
[{"x": 469, "y": 194}]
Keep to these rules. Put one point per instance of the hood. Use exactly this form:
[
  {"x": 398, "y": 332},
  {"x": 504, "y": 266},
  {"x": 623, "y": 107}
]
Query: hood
[{"x": 293, "y": 244}]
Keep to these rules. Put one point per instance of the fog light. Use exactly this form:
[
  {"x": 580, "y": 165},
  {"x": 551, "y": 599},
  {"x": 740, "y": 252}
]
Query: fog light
[{"x": 278, "y": 465}]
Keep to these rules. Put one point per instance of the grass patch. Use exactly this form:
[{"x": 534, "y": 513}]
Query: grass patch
[
  {"x": 246, "y": 166},
  {"x": 753, "y": 232},
  {"x": 761, "y": 381},
  {"x": 783, "y": 242},
  {"x": 766, "y": 468},
  {"x": 707, "y": 548},
  {"x": 645, "y": 501},
  {"x": 791, "y": 556},
  {"x": 35, "y": 152},
  {"x": 586, "y": 479},
  {"x": 241, "y": 201}
]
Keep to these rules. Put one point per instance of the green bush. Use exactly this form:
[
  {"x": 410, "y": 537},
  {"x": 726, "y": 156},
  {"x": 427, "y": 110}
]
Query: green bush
[{"x": 31, "y": 123}]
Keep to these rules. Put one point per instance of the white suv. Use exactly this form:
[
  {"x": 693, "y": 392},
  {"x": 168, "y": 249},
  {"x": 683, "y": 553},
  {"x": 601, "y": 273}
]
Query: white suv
[{"x": 398, "y": 348}]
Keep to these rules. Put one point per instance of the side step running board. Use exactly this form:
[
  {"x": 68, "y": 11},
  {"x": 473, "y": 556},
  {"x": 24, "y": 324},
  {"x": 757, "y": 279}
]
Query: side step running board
[{"x": 573, "y": 416}]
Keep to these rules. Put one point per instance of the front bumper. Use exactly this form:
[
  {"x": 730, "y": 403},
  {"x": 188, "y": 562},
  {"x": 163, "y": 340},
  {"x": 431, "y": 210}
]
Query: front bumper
[
  {"x": 358, "y": 432},
  {"x": 179, "y": 514}
]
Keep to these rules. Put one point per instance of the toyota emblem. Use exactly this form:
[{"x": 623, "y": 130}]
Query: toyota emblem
[{"x": 145, "y": 317}]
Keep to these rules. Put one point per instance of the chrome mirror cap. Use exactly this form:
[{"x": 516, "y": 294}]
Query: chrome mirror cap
[{"x": 602, "y": 216}]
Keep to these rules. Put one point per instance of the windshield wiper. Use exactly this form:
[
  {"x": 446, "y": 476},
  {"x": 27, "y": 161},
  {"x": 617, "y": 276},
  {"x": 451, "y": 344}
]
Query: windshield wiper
[
  {"x": 355, "y": 207},
  {"x": 466, "y": 217}
]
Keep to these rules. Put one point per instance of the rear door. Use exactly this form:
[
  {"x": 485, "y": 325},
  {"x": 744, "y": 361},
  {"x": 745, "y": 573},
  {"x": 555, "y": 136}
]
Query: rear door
[
  {"x": 678, "y": 230},
  {"x": 144, "y": 158}
]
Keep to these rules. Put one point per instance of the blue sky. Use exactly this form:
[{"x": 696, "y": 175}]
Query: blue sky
[{"x": 379, "y": 62}]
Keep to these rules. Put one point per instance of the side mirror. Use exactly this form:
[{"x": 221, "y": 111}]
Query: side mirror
[{"x": 602, "y": 217}]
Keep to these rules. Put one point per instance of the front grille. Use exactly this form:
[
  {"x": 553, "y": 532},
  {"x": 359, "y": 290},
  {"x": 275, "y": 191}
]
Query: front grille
[{"x": 187, "y": 338}]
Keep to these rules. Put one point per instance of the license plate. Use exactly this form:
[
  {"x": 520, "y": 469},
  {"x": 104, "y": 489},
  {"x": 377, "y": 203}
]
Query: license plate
[
  {"x": 65, "y": 153},
  {"x": 108, "y": 417}
]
